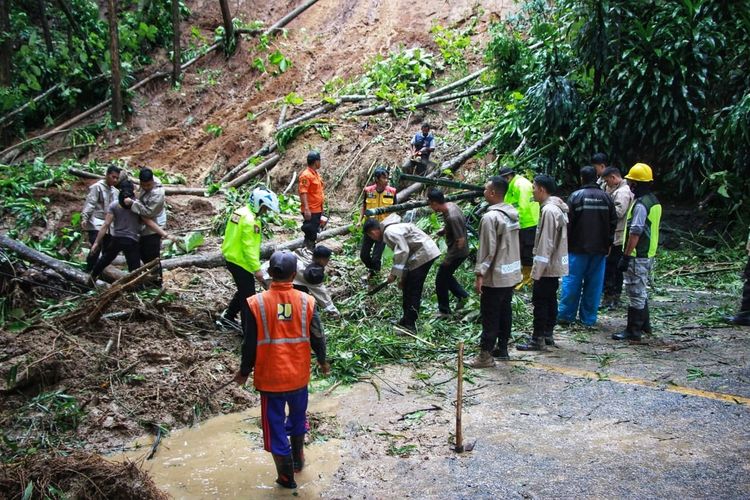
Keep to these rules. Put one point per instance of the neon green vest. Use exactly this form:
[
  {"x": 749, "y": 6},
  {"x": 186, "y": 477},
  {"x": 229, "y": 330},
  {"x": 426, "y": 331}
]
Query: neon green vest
[
  {"x": 521, "y": 195},
  {"x": 242, "y": 237},
  {"x": 649, "y": 240}
]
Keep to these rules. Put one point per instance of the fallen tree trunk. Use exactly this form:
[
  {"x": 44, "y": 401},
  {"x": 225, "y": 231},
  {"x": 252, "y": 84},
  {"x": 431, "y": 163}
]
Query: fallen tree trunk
[
  {"x": 266, "y": 149},
  {"x": 242, "y": 179},
  {"x": 456, "y": 84},
  {"x": 63, "y": 269},
  {"x": 307, "y": 116},
  {"x": 168, "y": 189},
  {"x": 289, "y": 17},
  {"x": 453, "y": 164},
  {"x": 31, "y": 102},
  {"x": 437, "y": 100},
  {"x": 216, "y": 259}
]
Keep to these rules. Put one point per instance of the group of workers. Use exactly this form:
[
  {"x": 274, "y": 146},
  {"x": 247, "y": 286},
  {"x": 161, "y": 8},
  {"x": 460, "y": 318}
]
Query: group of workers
[
  {"x": 119, "y": 220},
  {"x": 604, "y": 236}
]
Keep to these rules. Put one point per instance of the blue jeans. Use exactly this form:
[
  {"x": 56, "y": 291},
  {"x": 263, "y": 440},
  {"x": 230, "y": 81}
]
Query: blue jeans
[{"x": 582, "y": 287}]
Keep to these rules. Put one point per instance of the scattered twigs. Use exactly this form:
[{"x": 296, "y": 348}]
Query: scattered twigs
[
  {"x": 720, "y": 267},
  {"x": 432, "y": 408}
]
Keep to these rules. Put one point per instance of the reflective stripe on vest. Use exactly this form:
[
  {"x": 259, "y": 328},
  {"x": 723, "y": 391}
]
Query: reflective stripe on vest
[
  {"x": 286, "y": 340},
  {"x": 373, "y": 199},
  {"x": 649, "y": 240}
]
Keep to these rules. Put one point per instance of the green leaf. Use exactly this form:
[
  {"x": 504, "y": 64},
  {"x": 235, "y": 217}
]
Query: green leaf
[
  {"x": 192, "y": 241},
  {"x": 28, "y": 491}
]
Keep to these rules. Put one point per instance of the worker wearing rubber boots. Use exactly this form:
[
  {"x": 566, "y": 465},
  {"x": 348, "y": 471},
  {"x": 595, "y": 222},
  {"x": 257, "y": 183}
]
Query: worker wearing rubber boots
[
  {"x": 550, "y": 262},
  {"x": 498, "y": 271},
  {"x": 311, "y": 199},
  {"x": 520, "y": 195},
  {"x": 375, "y": 195},
  {"x": 278, "y": 338},
  {"x": 641, "y": 242},
  {"x": 414, "y": 252},
  {"x": 241, "y": 250}
]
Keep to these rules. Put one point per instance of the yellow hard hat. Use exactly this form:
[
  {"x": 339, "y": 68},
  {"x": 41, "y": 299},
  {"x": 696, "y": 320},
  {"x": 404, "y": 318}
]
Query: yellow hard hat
[{"x": 640, "y": 172}]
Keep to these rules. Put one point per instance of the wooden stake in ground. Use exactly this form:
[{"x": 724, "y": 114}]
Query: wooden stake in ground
[
  {"x": 459, "y": 448},
  {"x": 175, "y": 42},
  {"x": 114, "y": 51}
]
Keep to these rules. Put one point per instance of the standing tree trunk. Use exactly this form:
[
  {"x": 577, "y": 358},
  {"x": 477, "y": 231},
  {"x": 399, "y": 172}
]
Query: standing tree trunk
[
  {"x": 114, "y": 50},
  {"x": 176, "y": 42},
  {"x": 45, "y": 25},
  {"x": 229, "y": 41},
  {"x": 6, "y": 44}
]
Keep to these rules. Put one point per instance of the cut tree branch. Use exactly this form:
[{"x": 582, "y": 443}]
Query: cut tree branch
[
  {"x": 242, "y": 179},
  {"x": 289, "y": 17}
]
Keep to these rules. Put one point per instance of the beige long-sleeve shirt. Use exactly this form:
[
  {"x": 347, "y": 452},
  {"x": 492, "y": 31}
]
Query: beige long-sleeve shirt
[
  {"x": 98, "y": 200},
  {"x": 551, "y": 240},
  {"x": 150, "y": 204},
  {"x": 622, "y": 197},
  {"x": 411, "y": 246},
  {"x": 499, "y": 255}
]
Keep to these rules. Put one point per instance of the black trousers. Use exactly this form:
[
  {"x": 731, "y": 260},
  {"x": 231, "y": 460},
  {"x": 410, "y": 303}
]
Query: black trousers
[
  {"x": 245, "y": 282},
  {"x": 544, "y": 299},
  {"x": 497, "y": 317},
  {"x": 526, "y": 238},
  {"x": 446, "y": 283},
  {"x": 311, "y": 227},
  {"x": 371, "y": 253},
  {"x": 92, "y": 257},
  {"x": 745, "y": 306},
  {"x": 613, "y": 277},
  {"x": 114, "y": 246},
  {"x": 151, "y": 249},
  {"x": 412, "y": 298}
]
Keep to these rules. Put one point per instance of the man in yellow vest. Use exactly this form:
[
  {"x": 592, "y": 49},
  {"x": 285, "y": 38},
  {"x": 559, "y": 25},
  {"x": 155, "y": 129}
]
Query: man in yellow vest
[
  {"x": 521, "y": 195},
  {"x": 375, "y": 195},
  {"x": 241, "y": 249},
  {"x": 641, "y": 240},
  {"x": 278, "y": 338}
]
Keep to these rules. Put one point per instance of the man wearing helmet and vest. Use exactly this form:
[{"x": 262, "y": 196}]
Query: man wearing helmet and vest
[
  {"x": 641, "y": 240},
  {"x": 521, "y": 195},
  {"x": 241, "y": 249},
  {"x": 279, "y": 334},
  {"x": 311, "y": 199},
  {"x": 376, "y": 195}
]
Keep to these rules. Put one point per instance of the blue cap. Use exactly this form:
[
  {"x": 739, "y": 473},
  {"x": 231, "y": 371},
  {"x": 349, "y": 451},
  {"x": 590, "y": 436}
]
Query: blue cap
[{"x": 282, "y": 265}]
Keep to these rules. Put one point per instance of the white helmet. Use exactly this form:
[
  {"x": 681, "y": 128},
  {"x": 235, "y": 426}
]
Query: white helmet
[{"x": 263, "y": 196}]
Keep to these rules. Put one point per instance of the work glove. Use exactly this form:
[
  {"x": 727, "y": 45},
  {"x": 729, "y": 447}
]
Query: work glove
[{"x": 624, "y": 263}]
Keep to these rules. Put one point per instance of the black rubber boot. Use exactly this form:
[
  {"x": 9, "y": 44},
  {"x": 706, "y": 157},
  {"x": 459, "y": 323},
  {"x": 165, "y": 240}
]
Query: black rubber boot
[
  {"x": 628, "y": 332},
  {"x": 742, "y": 318},
  {"x": 536, "y": 344},
  {"x": 548, "y": 338},
  {"x": 639, "y": 319},
  {"x": 298, "y": 452},
  {"x": 500, "y": 352},
  {"x": 647, "y": 320},
  {"x": 285, "y": 471}
]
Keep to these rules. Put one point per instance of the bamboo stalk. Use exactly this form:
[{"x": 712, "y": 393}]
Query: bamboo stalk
[{"x": 459, "y": 399}]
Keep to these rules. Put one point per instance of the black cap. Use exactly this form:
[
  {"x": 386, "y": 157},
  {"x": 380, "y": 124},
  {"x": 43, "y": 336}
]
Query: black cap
[
  {"x": 312, "y": 157},
  {"x": 322, "y": 251},
  {"x": 313, "y": 274},
  {"x": 282, "y": 265},
  {"x": 506, "y": 171}
]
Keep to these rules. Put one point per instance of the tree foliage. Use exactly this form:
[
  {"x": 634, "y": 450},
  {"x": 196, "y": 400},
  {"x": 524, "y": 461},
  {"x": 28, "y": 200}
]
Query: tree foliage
[
  {"x": 79, "y": 60},
  {"x": 662, "y": 82}
]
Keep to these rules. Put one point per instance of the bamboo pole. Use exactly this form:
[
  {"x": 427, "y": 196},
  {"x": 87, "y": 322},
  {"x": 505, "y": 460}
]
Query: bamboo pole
[
  {"x": 266, "y": 149},
  {"x": 289, "y": 17},
  {"x": 460, "y": 399},
  {"x": 242, "y": 179}
]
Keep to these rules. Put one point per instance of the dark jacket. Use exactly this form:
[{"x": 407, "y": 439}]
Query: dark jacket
[{"x": 592, "y": 221}]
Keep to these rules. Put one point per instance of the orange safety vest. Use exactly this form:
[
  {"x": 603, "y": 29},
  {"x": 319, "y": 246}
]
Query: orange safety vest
[
  {"x": 373, "y": 199},
  {"x": 282, "y": 317}
]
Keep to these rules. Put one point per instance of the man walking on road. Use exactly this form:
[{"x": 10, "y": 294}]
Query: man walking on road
[
  {"x": 98, "y": 200},
  {"x": 498, "y": 271},
  {"x": 414, "y": 252},
  {"x": 241, "y": 250},
  {"x": 550, "y": 262},
  {"x": 311, "y": 198},
  {"x": 458, "y": 249},
  {"x": 591, "y": 231},
  {"x": 641, "y": 242},
  {"x": 622, "y": 197},
  {"x": 278, "y": 336},
  {"x": 520, "y": 195},
  {"x": 376, "y": 195}
]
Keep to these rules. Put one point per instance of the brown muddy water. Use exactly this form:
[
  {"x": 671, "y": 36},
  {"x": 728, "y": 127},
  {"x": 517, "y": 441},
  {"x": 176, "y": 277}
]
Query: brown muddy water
[{"x": 223, "y": 457}]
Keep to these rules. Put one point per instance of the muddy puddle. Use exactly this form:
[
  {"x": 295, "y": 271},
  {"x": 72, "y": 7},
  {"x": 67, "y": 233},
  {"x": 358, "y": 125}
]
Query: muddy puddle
[{"x": 223, "y": 457}]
